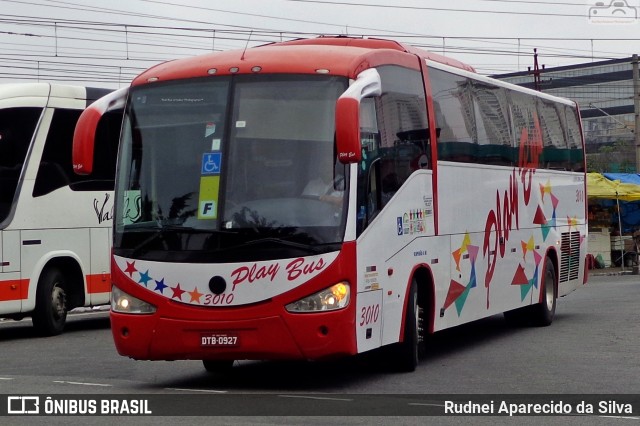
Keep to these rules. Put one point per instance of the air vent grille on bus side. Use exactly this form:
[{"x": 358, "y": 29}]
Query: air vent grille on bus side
[{"x": 569, "y": 256}]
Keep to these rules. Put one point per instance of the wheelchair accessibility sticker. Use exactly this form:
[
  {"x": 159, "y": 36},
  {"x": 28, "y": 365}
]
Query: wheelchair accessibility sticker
[{"x": 211, "y": 163}]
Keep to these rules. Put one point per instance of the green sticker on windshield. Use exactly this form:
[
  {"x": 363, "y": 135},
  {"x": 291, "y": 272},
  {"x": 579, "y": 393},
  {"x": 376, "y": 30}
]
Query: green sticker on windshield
[
  {"x": 208, "y": 198},
  {"x": 132, "y": 207}
]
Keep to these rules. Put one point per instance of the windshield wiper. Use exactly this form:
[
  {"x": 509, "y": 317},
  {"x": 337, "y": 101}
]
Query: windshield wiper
[
  {"x": 286, "y": 243},
  {"x": 192, "y": 230},
  {"x": 161, "y": 232},
  {"x": 138, "y": 249}
]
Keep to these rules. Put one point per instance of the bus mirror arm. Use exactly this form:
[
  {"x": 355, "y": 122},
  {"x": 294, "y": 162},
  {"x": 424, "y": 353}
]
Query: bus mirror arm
[
  {"x": 84, "y": 135},
  {"x": 367, "y": 84}
]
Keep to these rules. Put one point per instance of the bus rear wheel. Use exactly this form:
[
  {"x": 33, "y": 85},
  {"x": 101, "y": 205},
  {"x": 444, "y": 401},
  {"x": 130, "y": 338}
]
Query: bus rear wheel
[
  {"x": 50, "y": 314},
  {"x": 217, "y": 366},
  {"x": 542, "y": 313}
]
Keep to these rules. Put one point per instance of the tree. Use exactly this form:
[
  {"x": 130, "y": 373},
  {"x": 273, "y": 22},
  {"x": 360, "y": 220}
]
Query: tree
[{"x": 617, "y": 157}]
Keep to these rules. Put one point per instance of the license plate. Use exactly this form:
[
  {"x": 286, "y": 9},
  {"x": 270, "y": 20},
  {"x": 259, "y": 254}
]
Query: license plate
[{"x": 219, "y": 340}]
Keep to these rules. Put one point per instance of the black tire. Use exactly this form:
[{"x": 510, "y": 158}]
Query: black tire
[
  {"x": 409, "y": 351},
  {"x": 50, "y": 314},
  {"x": 218, "y": 366},
  {"x": 542, "y": 313}
]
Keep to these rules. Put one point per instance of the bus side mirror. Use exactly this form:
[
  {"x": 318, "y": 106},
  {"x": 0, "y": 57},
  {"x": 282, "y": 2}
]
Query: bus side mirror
[
  {"x": 84, "y": 136},
  {"x": 367, "y": 84}
]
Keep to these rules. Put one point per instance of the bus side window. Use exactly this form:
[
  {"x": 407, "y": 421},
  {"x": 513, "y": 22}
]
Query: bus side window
[
  {"x": 374, "y": 193},
  {"x": 367, "y": 180},
  {"x": 574, "y": 139},
  {"x": 394, "y": 137},
  {"x": 18, "y": 126},
  {"x": 56, "y": 170},
  {"x": 390, "y": 181}
]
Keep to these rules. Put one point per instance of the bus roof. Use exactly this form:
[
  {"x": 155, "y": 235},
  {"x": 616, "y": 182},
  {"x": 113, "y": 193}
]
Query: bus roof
[
  {"x": 46, "y": 90},
  {"x": 344, "y": 56}
]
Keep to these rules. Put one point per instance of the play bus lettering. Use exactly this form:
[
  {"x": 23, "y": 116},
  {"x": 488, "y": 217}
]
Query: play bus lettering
[
  {"x": 55, "y": 226},
  {"x": 326, "y": 197}
]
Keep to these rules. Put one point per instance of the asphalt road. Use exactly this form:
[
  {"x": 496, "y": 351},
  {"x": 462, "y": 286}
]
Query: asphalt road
[{"x": 591, "y": 348}]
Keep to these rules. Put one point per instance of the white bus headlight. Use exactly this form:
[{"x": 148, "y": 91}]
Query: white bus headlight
[
  {"x": 329, "y": 299},
  {"x": 126, "y": 304}
]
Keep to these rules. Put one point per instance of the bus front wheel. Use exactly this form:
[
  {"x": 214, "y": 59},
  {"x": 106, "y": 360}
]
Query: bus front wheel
[
  {"x": 50, "y": 314},
  {"x": 409, "y": 351}
]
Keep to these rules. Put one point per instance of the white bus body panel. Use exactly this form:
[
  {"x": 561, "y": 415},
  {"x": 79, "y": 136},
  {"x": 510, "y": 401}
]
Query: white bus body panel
[
  {"x": 399, "y": 238},
  {"x": 532, "y": 210},
  {"x": 62, "y": 223},
  {"x": 100, "y": 265}
]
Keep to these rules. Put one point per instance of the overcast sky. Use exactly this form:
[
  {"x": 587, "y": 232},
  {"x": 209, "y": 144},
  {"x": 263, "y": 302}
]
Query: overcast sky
[{"x": 107, "y": 43}]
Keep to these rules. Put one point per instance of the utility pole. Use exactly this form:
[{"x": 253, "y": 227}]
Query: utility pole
[
  {"x": 636, "y": 108},
  {"x": 537, "y": 81}
]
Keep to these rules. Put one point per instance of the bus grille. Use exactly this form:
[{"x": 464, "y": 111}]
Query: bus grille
[{"x": 569, "y": 256}]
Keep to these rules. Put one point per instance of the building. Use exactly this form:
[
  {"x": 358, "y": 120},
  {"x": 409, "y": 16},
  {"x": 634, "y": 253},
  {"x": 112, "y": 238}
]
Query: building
[{"x": 604, "y": 92}]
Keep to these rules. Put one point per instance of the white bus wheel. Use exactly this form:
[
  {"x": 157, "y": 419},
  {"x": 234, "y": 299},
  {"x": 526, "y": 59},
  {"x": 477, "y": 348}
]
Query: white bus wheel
[{"x": 543, "y": 312}]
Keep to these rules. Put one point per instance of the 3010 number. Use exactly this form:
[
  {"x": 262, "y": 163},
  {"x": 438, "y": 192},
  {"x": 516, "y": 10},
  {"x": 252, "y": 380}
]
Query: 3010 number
[{"x": 369, "y": 314}]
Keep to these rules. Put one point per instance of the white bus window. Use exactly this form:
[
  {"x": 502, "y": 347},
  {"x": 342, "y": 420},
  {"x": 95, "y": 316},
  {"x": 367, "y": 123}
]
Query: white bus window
[{"x": 16, "y": 131}]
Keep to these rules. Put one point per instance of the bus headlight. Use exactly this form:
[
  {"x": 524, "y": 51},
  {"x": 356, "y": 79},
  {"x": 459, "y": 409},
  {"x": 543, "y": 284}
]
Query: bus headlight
[
  {"x": 329, "y": 299},
  {"x": 124, "y": 303}
]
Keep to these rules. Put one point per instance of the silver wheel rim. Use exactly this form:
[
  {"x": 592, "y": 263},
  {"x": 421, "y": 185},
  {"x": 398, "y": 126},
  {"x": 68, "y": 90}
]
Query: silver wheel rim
[
  {"x": 549, "y": 289},
  {"x": 58, "y": 302}
]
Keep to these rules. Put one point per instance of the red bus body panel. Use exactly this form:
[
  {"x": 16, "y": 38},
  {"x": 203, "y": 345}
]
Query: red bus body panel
[
  {"x": 335, "y": 56},
  {"x": 265, "y": 330}
]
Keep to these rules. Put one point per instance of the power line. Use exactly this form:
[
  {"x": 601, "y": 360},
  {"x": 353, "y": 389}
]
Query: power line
[
  {"x": 272, "y": 32},
  {"x": 263, "y": 36},
  {"x": 440, "y": 9},
  {"x": 175, "y": 41}
]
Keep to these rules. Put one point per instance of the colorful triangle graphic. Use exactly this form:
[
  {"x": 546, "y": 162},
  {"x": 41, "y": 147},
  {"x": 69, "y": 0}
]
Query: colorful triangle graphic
[
  {"x": 460, "y": 301},
  {"x": 539, "y": 218},
  {"x": 455, "y": 290},
  {"x": 520, "y": 278}
]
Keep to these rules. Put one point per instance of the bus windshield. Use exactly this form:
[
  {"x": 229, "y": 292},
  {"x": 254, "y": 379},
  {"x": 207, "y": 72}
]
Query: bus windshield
[
  {"x": 231, "y": 169},
  {"x": 17, "y": 126}
]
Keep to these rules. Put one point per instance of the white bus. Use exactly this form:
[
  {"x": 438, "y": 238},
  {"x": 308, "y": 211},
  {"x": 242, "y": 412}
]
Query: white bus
[
  {"x": 55, "y": 226},
  {"x": 326, "y": 197}
]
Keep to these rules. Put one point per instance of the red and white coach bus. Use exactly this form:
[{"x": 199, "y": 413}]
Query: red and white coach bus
[
  {"x": 55, "y": 226},
  {"x": 325, "y": 197}
]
